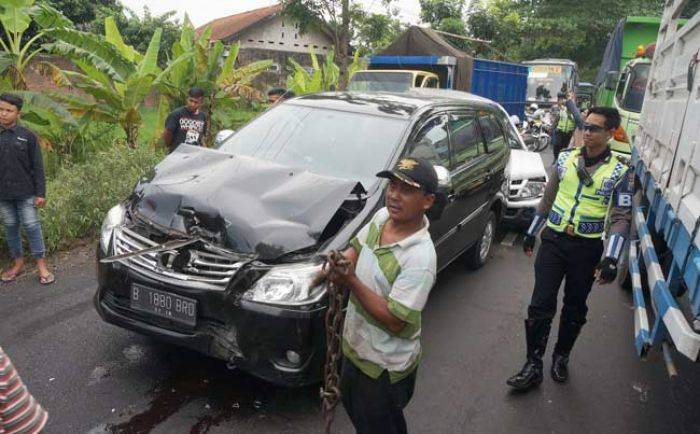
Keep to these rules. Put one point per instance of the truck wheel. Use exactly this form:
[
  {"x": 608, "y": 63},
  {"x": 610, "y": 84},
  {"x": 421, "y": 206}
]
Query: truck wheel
[{"x": 477, "y": 255}]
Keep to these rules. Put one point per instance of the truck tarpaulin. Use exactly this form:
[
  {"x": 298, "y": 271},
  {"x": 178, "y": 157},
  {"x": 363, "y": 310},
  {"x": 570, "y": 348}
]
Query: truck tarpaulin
[{"x": 417, "y": 41}]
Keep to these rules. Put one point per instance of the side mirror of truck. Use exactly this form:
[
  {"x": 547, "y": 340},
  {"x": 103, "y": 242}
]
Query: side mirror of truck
[
  {"x": 443, "y": 195},
  {"x": 611, "y": 79}
]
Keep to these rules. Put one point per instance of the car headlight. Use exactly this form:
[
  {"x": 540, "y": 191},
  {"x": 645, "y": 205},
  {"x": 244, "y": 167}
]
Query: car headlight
[
  {"x": 115, "y": 217},
  {"x": 532, "y": 189},
  {"x": 288, "y": 285}
]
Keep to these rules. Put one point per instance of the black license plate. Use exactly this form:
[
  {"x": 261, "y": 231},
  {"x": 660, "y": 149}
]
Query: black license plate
[{"x": 164, "y": 304}]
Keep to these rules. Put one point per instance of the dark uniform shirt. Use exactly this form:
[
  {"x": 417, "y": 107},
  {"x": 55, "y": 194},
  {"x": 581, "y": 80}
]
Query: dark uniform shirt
[{"x": 21, "y": 165}]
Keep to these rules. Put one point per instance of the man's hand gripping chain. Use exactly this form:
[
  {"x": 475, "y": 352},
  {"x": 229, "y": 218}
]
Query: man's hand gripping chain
[{"x": 334, "y": 263}]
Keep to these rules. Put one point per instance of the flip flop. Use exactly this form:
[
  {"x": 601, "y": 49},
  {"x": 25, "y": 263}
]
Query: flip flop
[
  {"x": 48, "y": 279},
  {"x": 11, "y": 277}
]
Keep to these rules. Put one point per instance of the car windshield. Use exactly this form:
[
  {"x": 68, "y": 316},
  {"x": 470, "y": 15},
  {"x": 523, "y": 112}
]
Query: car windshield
[
  {"x": 544, "y": 82},
  {"x": 368, "y": 81},
  {"x": 634, "y": 98},
  {"x": 334, "y": 143}
]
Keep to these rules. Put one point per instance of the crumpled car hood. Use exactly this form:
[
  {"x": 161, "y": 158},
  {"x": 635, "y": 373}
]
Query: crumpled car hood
[{"x": 258, "y": 206}]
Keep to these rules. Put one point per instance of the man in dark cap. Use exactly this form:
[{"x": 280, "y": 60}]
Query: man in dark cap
[{"x": 394, "y": 267}]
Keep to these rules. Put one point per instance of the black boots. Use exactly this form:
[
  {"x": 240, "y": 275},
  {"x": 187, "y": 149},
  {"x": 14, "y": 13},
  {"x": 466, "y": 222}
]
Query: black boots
[
  {"x": 568, "y": 332},
  {"x": 536, "y": 333},
  {"x": 560, "y": 369}
]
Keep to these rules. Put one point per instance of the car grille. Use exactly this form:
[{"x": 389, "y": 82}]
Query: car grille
[
  {"x": 203, "y": 266},
  {"x": 515, "y": 186}
]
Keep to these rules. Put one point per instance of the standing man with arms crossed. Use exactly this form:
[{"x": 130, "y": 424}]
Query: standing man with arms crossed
[
  {"x": 186, "y": 124},
  {"x": 22, "y": 189},
  {"x": 393, "y": 270},
  {"x": 589, "y": 191}
]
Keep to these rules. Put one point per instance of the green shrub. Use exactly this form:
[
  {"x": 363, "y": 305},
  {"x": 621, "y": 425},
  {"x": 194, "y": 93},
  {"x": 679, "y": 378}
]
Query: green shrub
[{"x": 80, "y": 195}]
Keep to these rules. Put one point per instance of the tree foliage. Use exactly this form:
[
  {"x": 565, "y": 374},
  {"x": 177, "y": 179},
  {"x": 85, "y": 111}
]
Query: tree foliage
[
  {"x": 87, "y": 15},
  {"x": 138, "y": 31},
  {"x": 197, "y": 61},
  {"x": 434, "y": 12},
  {"x": 115, "y": 76},
  {"x": 324, "y": 15},
  {"x": 571, "y": 29},
  {"x": 372, "y": 32}
]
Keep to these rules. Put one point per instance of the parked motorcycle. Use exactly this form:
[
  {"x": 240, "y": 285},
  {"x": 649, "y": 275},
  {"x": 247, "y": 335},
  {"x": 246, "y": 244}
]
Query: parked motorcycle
[{"x": 536, "y": 129}]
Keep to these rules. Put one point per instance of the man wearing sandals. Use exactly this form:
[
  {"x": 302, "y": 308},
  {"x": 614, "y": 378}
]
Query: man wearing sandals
[{"x": 22, "y": 189}]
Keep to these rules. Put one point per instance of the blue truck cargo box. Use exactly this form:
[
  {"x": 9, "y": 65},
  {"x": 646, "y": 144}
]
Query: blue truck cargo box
[{"x": 503, "y": 82}]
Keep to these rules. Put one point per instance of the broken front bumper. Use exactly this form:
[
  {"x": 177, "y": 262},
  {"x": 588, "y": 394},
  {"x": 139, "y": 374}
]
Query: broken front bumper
[
  {"x": 520, "y": 212},
  {"x": 282, "y": 345}
]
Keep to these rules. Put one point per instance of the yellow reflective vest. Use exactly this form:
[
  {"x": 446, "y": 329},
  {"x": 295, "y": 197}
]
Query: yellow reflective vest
[
  {"x": 566, "y": 121},
  {"x": 579, "y": 209}
]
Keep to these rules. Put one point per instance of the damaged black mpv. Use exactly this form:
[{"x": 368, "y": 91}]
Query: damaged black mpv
[{"x": 214, "y": 250}]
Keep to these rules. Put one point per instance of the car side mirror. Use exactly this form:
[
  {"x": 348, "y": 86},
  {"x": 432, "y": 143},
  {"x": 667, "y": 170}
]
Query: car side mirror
[
  {"x": 221, "y": 137},
  {"x": 611, "y": 79},
  {"x": 443, "y": 194}
]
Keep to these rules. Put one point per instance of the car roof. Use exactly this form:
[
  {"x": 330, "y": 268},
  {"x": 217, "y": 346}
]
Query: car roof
[{"x": 402, "y": 105}]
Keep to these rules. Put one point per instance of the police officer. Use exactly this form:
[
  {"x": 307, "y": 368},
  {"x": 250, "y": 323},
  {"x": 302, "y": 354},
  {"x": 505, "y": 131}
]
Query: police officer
[
  {"x": 589, "y": 191},
  {"x": 564, "y": 129}
]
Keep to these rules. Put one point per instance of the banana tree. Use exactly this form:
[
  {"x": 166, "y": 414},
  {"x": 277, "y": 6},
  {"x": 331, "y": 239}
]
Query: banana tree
[
  {"x": 323, "y": 77},
  {"x": 16, "y": 16},
  {"x": 196, "y": 61},
  {"x": 116, "y": 78}
]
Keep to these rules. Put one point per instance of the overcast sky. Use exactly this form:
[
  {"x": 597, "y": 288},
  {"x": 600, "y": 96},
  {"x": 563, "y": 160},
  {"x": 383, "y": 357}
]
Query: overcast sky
[{"x": 203, "y": 11}]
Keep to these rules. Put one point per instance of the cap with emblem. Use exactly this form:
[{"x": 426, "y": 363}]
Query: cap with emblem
[{"x": 417, "y": 172}]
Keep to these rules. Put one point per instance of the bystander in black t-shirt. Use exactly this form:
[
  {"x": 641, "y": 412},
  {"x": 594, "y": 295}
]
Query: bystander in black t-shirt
[{"x": 186, "y": 127}]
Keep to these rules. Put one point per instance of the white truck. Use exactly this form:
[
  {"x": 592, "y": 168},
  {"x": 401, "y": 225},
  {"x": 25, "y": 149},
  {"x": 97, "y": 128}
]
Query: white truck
[{"x": 666, "y": 160}]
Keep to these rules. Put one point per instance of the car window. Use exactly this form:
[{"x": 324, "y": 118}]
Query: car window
[
  {"x": 431, "y": 142},
  {"x": 327, "y": 142},
  {"x": 467, "y": 142},
  {"x": 432, "y": 83},
  {"x": 493, "y": 132},
  {"x": 419, "y": 80}
]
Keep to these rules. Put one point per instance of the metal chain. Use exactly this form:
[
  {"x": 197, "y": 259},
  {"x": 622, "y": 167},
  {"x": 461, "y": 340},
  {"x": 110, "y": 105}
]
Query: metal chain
[{"x": 330, "y": 393}]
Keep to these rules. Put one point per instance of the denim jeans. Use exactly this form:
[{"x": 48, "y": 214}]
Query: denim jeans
[{"x": 22, "y": 212}]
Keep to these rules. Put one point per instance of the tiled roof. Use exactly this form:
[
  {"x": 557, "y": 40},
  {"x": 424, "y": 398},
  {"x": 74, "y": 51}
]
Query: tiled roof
[{"x": 225, "y": 27}]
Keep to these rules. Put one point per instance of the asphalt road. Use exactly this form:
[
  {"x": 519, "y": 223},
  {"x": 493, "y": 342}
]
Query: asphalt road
[
  {"x": 97, "y": 378},
  {"x": 94, "y": 377}
]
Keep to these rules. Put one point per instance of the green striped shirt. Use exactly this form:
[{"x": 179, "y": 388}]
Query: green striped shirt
[{"x": 403, "y": 273}]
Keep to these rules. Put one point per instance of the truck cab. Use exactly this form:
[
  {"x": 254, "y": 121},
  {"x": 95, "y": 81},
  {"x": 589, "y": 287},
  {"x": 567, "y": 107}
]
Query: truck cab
[
  {"x": 392, "y": 80},
  {"x": 628, "y": 100},
  {"x": 549, "y": 77}
]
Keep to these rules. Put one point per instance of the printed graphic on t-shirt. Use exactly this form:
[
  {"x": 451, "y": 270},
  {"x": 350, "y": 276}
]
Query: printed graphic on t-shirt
[{"x": 193, "y": 128}]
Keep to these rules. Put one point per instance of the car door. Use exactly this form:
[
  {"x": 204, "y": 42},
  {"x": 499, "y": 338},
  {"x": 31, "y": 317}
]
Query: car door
[
  {"x": 431, "y": 142},
  {"x": 469, "y": 170},
  {"x": 494, "y": 128}
]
